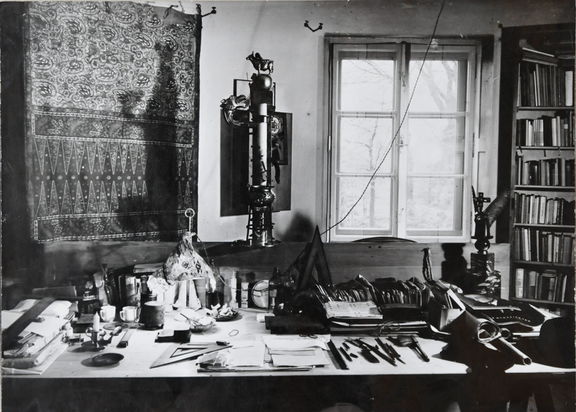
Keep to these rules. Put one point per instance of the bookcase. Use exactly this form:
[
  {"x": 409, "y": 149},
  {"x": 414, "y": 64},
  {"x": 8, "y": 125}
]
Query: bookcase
[{"x": 541, "y": 225}]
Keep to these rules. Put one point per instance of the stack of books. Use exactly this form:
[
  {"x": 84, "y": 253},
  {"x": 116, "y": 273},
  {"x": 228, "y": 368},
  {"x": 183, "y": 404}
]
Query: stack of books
[
  {"x": 40, "y": 341},
  {"x": 549, "y": 285}
]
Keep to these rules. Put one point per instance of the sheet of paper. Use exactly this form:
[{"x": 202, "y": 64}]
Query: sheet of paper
[
  {"x": 295, "y": 342},
  {"x": 247, "y": 355},
  {"x": 48, "y": 327},
  {"x": 311, "y": 357},
  {"x": 9, "y": 317}
]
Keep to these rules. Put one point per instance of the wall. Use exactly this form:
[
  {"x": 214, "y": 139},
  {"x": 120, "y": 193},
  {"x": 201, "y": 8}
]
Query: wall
[{"x": 276, "y": 30}]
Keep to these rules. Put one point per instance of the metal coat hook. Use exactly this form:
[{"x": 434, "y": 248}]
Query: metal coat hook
[
  {"x": 199, "y": 11},
  {"x": 311, "y": 29},
  {"x": 213, "y": 11}
]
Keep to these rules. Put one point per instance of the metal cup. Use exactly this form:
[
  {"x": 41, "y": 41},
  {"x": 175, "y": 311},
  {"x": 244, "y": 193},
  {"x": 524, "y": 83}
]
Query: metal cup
[{"x": 152, "y": 315}]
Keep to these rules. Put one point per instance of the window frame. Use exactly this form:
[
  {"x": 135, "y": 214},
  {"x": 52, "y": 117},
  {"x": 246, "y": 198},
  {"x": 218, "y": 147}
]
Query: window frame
[{"x": 471, "y": 49}]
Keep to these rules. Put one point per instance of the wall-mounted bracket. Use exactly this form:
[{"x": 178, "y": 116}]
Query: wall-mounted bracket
[
  {"x": 199, "y": 11},
  {"x": 306, "y": 24}
]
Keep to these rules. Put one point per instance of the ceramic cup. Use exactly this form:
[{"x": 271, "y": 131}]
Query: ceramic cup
[
  {"x": 107, "y": 313},
  {"x": 129, "y": 314},
  {"x": 152, "y": 315}
]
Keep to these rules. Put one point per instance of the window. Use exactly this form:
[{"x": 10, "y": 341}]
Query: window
[{"x": 414, "y": 183}]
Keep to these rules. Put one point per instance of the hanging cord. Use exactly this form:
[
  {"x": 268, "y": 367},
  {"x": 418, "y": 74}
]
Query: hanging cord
[{"x": 373, "y": 175}]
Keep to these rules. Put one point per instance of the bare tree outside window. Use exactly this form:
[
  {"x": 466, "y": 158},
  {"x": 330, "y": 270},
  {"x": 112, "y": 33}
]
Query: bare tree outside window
[{"x": 370, "y": 97}]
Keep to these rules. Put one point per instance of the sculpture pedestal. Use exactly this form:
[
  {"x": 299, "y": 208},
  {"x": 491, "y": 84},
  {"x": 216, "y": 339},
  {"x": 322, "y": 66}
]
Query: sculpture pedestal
[
  {"x": 487, "y": 280},
  {"x": 482, "y": 264}
]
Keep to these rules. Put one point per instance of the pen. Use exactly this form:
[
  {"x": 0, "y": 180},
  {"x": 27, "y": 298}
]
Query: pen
[
  {"x": 337, "y": 356},
  {"x": 348, "y": 358},
  {"x": 417, "y": 347},
  {"x": 377, "y": 352},
  {"x": 390, "y": 350}
]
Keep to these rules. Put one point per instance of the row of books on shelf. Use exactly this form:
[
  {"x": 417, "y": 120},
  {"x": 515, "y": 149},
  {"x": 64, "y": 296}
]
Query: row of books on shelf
[
  {"x": 540, "y": 209},
  {"x": 536, "y": 245},
  {"x": 556, "y": 171},
  {"x": 545, "y": 85},
  {"x": 546, "y": 131},
  {"x": 548, "y": 285}
]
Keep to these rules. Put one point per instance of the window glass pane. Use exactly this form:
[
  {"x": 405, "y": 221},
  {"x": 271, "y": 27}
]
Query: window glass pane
[
  {"x": 363, "y": 143},
  {"x": 436, "y": 146},
  {"x": 373, "y": 211},
  {"x": 367, "y": 85},
  {"x": 434, "y": 204},
  {"x": 441, "y": 87}
]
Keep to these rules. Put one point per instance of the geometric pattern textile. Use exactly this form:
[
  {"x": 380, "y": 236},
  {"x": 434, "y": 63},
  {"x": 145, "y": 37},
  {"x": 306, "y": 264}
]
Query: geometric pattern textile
[{"x": 112, "y": 97}]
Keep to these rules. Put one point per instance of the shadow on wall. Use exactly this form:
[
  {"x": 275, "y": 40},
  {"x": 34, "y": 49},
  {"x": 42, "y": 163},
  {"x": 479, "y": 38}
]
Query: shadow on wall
[
  {"x": 159, "y": 190},
  {"x": 300, "y": 229},
  {"x": 454, "y": 267}
]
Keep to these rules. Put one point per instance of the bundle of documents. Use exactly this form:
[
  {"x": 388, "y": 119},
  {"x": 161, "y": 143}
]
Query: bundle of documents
[
  {"x": 353, "y": 313},
  {"x": 39, "y": 341},
  {"x": 270, "y": 353},
  {"x": 297, "y": 351}
]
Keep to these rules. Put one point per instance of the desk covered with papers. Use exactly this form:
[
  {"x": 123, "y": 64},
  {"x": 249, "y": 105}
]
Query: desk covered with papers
[{"x": 253, "y": 356}]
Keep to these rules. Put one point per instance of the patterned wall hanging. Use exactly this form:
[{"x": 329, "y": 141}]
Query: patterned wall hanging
[{"x": 112, "y": 95}]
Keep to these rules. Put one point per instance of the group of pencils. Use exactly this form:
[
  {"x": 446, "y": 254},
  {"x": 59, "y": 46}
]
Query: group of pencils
[{"x": 371, "y": 352}]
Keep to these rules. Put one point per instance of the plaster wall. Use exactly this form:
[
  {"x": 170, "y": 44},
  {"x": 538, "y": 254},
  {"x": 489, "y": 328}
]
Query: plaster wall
[{"x": 276, "y": 30}]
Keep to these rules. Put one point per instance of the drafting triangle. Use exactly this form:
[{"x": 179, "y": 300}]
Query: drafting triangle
[{"x": 179, "y": 352}]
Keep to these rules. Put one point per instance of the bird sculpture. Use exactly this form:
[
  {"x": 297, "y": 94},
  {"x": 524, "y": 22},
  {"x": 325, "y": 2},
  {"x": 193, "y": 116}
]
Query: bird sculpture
[{"x": 261, "y": 64}]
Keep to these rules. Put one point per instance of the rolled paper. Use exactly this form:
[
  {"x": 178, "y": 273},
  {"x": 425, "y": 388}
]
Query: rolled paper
[
  {"x": 200, "y": 284},
  {"x": 468, "y": 327},
  {"x": 182, "y": 293},
  {"x": 506, "y": 347},
  {"x": 169, "y": 297},
  {"x": 193, "y": 301}
]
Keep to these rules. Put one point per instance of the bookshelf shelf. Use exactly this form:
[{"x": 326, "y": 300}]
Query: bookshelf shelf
[
  {"x": 539, "y": 302},
  {"x": 545, "y": 188},
  {"x": 543, "y": 264},
  {"x": 551, "y": 148},
  {"x": 545, "y": 226},
  {"x": 540, "y": 119},
  {"x": 543, "y": 108}
]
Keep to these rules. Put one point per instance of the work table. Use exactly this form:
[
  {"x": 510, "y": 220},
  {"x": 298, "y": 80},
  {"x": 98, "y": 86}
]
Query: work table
[{"x": 142, "y": 350}]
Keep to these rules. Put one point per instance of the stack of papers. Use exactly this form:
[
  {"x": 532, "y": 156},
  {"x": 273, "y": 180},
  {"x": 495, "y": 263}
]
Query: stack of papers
[
  {"x": 40, "y": 340},
  {"x": 352, "y": 310},
  {"x": 297, "y": 351},
  {"x": 270, "y": 353}
]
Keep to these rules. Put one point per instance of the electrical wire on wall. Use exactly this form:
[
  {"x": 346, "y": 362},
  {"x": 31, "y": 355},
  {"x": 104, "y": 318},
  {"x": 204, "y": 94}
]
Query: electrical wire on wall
[{"x": 373, "y": 175}]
